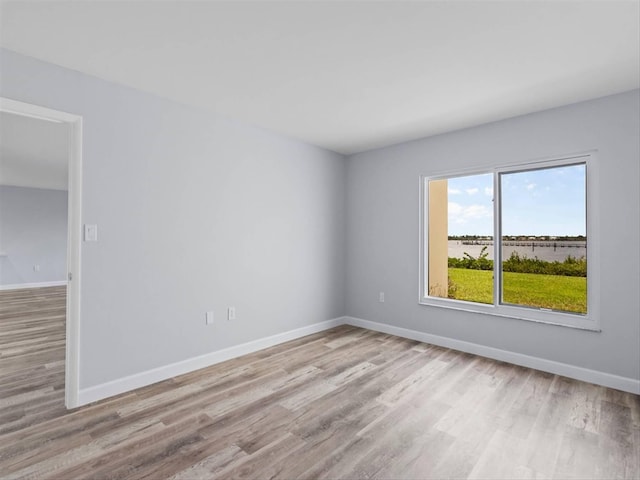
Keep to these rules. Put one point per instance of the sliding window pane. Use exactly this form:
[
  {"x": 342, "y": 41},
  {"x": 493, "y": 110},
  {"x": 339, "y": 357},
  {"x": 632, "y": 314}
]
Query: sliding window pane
[
  {"x": 461, "y": 238},
  {"x": 544, "y": 238}
]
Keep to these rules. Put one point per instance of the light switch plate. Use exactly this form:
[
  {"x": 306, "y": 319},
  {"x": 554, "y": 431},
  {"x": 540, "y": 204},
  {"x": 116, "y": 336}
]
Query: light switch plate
[{"x": 91, "y": 233}]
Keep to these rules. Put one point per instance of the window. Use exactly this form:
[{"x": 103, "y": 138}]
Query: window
[{"x": 539, "y": 268}]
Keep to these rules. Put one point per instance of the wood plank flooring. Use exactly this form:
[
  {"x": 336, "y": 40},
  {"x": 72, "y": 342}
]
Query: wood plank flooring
[{"x": 345, "y": 403}]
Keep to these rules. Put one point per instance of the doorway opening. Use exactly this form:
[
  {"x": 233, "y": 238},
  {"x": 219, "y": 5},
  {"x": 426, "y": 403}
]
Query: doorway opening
[{"x": 48, "y": 180}]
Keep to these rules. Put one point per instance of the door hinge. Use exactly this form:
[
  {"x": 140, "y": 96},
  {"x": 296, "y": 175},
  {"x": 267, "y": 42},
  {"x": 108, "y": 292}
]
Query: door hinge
[{"x": 70, "y": 276}]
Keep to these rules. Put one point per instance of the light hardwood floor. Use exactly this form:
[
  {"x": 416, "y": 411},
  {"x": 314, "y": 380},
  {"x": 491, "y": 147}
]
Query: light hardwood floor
[{"x": 346, "y": 403}]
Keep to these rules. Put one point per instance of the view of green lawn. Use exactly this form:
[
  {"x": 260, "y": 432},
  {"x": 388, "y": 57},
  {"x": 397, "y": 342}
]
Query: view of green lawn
[{"x": 556, "y": 292}]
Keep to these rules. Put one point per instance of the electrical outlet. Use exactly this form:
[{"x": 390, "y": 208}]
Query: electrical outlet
[
  {"x": 36, "y": 268},
  {"x": 209, "y": 318},
  {"x": 381, "y": 297},
  {"x": 231, "y": 313}
]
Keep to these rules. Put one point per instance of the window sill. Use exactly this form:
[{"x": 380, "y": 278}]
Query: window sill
[{"x": 555, "y": 318}]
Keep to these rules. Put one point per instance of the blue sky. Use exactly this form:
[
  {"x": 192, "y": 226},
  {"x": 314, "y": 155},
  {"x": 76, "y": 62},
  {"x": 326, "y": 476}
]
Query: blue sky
[{"x": 537, "y": 202}]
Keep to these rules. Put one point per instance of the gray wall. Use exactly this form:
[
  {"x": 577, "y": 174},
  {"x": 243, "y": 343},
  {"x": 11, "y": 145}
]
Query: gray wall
[
  {"x": 382, "y": 213},
  {"x": 33, "y": 231},
  {"x": 195, "y": 212}
]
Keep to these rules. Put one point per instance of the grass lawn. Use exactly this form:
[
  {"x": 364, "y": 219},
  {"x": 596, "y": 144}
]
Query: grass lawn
[{"x": 530, "y": 289}]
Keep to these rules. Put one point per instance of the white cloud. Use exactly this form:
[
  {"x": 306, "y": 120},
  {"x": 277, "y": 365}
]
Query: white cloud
[
  {"x": 453, "y": 191},
  {"x": 488, "y": 191},
  {"x": 472, "y": 191},
  {"x": 454, "y": 208},
  {"x": 531, "y": 186},
  {"x": 477, "y": 211},
  {"x": 462, "y": 214}
]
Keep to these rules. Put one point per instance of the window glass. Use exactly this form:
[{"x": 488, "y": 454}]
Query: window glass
[
  {"x": 461, "y": 238},
  {"x": 544, "y": 238}
]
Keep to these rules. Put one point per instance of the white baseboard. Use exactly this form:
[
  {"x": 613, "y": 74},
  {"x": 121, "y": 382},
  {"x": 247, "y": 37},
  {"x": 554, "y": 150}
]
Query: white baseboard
[
  {"x": 142, "y": 379},
  {"x": 584, "y": 374},
  {"x": 18, "y": 286}
]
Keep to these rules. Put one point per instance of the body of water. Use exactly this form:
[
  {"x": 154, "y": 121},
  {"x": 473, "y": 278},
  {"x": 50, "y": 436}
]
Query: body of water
[{"x": 544, "y": 250}]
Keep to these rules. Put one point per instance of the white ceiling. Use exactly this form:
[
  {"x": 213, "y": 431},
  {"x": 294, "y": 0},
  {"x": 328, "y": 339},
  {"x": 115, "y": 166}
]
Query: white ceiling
[
  {"x": 33, "y": 152},
  {"x": 347, "y": 76}
]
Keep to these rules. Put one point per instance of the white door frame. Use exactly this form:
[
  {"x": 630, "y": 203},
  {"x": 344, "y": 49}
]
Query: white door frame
[{"x": 74, "y": 234}]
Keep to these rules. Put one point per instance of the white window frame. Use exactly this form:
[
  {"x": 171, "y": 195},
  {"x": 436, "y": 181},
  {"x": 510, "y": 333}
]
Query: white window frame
[{"x": 588, "y": 321}]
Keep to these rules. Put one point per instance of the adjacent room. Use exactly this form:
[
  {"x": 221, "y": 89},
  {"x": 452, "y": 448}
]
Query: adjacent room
[{"x": 337, "y": 240}]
